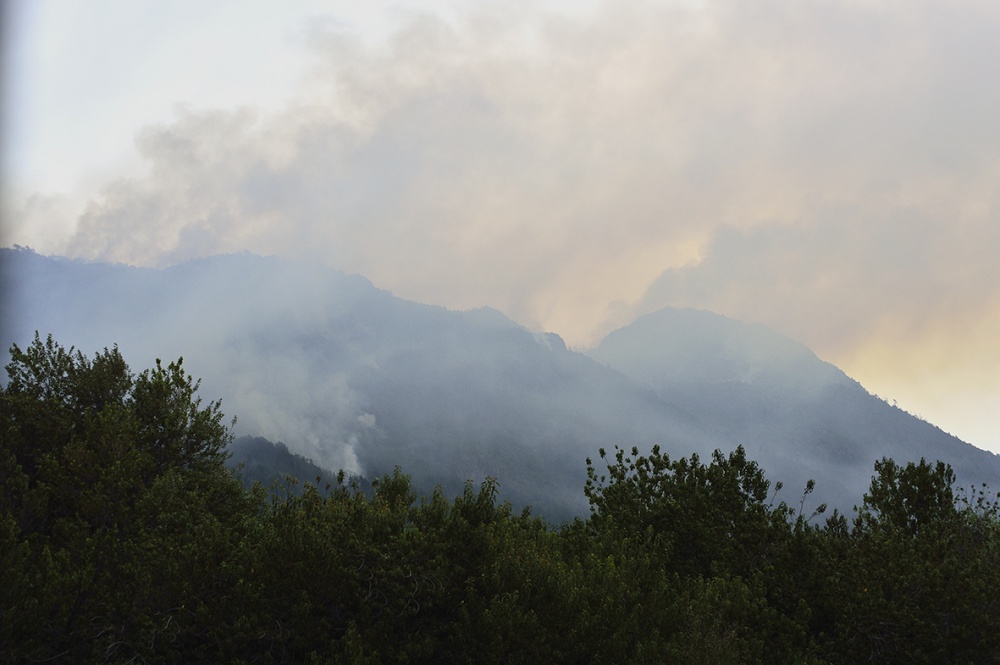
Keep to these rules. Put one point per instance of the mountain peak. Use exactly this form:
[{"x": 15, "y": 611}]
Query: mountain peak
[{"x": 682, "y": 345}]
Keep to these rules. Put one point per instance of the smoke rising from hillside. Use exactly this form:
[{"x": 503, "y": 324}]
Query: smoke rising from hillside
[{"x": 829, "y": 169}]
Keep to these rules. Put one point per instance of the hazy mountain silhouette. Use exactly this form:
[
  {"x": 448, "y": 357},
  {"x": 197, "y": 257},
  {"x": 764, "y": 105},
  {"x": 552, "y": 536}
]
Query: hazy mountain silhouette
[
  {"x": 352, "y": 377},
  {"x": 795, "y": 413}
]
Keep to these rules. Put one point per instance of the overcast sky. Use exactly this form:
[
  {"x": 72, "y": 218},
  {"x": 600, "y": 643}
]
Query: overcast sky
[{"x": 829, "y": 168}]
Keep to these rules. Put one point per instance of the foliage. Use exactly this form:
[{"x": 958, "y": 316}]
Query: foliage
[
  {"x": 118, "y": 511},
  {"x": 918, "y": 576},
  {"x": 123, "y": 537}
]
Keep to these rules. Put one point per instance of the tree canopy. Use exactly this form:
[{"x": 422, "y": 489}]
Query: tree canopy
[{"x": 124, "y": 538}]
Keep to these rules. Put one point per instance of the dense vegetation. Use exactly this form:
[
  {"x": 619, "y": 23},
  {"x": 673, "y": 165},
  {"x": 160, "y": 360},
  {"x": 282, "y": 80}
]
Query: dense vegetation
[
  {"x": 123, "y": 537},
  {"x": 274, "y": 466}
]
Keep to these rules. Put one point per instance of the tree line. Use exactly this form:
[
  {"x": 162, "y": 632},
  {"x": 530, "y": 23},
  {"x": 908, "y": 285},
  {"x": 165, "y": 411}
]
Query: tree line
[{"x": 124, "y": 538}]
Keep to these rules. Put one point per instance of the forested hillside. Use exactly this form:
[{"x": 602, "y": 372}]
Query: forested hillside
[
  {"x": 352, "y": 377},
  {"x": 124, "y": 538},
  {"x": 273, "y": 465}
]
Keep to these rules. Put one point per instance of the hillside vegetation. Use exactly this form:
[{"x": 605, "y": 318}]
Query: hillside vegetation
[
  {"x": 355, "y": 378},
  {"x": 125, "y": 538}
]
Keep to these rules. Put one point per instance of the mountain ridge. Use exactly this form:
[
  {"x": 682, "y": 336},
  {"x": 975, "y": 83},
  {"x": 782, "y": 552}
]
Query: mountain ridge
[{"x": 353, "y": 377}]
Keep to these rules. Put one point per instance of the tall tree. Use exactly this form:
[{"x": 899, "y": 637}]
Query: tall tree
[
  {"x": 117, "y": 510},
  {"x": 916, "y": 579}
]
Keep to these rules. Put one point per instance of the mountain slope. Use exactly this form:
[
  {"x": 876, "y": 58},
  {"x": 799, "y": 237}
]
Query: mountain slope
[
  {"x": 355, "y": 378},
  {"x": 352, "y": 377},
  {"x": 794, "y": 413}
]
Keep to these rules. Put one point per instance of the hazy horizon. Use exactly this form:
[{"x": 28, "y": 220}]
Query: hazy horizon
[{"x": 829, "y": 170}]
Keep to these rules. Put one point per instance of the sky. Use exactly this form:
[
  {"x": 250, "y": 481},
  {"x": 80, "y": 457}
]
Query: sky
[{"x": 829, "y": 168}]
